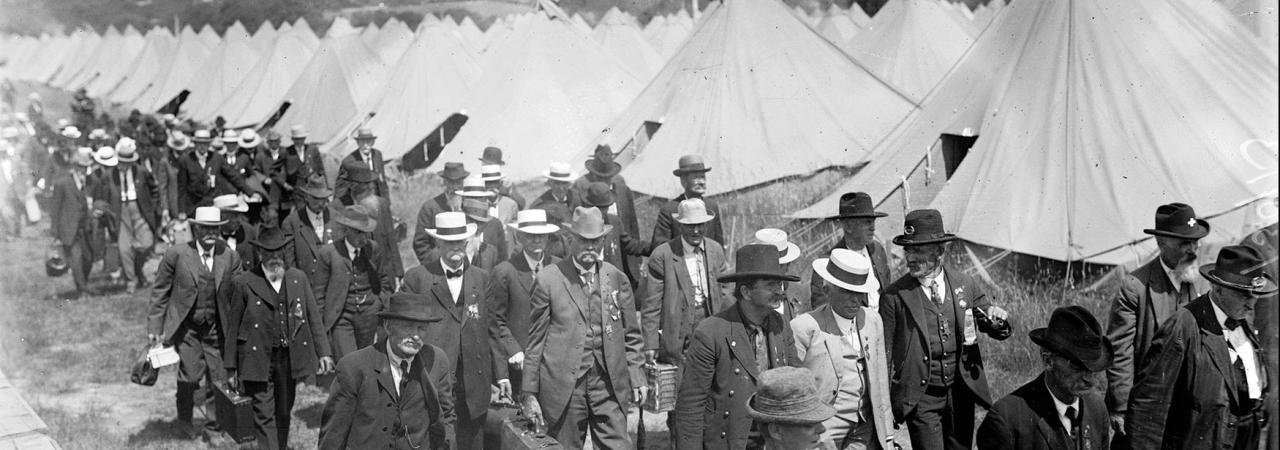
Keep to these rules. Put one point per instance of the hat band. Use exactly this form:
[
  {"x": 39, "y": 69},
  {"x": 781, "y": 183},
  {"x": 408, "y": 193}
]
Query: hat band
[
  {"x": 451, "y": 231},
  {"x": 846, "y": 276},
  {"x": 1255, "y": 281},
  {"x": 786, "y": 406},
  {"x": 474, "y": 189},
  {"x": 531, "y": 223},
  {"x": 558, "y": 174},
  {"x": 693, "y": 168}
]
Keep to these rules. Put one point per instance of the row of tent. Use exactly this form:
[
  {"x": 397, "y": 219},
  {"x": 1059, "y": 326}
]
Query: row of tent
[{"x": 1072, "y": 118}]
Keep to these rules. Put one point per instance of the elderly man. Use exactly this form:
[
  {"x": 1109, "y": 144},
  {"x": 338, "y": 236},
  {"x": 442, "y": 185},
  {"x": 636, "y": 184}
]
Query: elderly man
[
  {"x": 788, "y": 411},
  {"x": 478, "y": 250},
  {"x": 451, "y": 177},
  {"x": 189, "y": 311},
  {"x": 932, "y": 317},
  {"x": 729, "y": 351},
  {"x": 275, "y": 336},
  {"x": 624, "y": 248},
  {"x": 513, "y": 283},
  {"x": 493, "y": 156},
  {"x": 788, "y": 252},
  {"x": 1058, "y": 410},
  {"x": 305, "y": 156},
  {"x": 459, "y": 292},
  {"x": 69, "y": 219},
  {"x": 1149, "y": 296},
  {"x": 501, "y": 206},
  {"x": 601, "y": 168},
  {"x": 559, "y": 201},
  {"x": 583, "y": 303},
  {"x": 271, "y": 165},
  {"x": 362, "y": 189},
  {"x": 353, "y": 271},
  {"x": 682, "y": 287},
  {"x": 1203, "y": 382},
  {"x": 132, "y": 196},
  {"x": 203, "y": 175},
  {"x": 857, "y": 217},
  {"x": 397, "y": 394},
  {"x": 842, "y": 343},
  {"x": 693, "y": 177},
  {"x": 311, "y": 228},
  {"x": 368, "y": 157}
]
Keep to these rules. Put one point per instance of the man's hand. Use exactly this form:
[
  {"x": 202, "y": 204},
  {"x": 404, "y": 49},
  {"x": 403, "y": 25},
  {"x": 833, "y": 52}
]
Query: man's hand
[
  {"x": 153, "y": 339},
  {"x": 164, "y": 216},
  {"x": 997, "y": 313},
  {"x": 517, "y": 360},
  {"x": 650, "y": 357},
  {"x": 504, "y": 389},
  {"x": 533, "y": 411},
  {"x": 326, "y": 365},
  {"x": 639, "y": 394},
  {"x": 1117, "y": 424}
]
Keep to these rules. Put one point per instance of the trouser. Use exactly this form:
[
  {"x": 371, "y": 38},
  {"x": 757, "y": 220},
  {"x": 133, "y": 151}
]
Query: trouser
[
  {"x": 594, "y": 405},
  {"x": 199, "y": 357},
  {"x": 134, "y": 242},
  {"x": 354, "y": 330},
  {"x": 79, "y": 256},
  {"x": 273, "y": 402},
  {"x": 468, "y": 429},
  {"x": 942, "y": 419},
  {"x": 849, "y": 435}
]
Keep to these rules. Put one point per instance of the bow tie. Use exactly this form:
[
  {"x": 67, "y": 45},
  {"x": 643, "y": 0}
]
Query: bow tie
[
  {"x": 453, "y": 273},
  {"x": 1232, "y": 324}
]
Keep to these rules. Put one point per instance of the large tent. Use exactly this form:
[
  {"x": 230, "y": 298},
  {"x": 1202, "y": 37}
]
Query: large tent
[
  {"x": 113, "y": 66},
  {"x": 153, "y": 60},
  {"x": 912, "y": 44},
  {"x": 86, "y": 57},
  {"x": 262, "y": 39},
  {"x": 209, "y": 36},
  {"x": 1095, "y": 112},
  {"x": 86, "y": 41},
  {"x": 260, "y": 93},
  {"x": 334, "y": 88},
  {"x": 760, "y": 96},
  {"x": 176, "y": 73},
  {"x": 222, "y": 71},
  {"x": 620, "y": 35},
  {"x": 392, "y": 40},
  {"x": 838, "y": 27}
]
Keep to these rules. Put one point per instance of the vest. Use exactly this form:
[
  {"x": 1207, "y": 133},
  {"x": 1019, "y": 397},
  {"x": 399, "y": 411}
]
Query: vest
[
  {"x": 278, "y": 328},
  {"x": 942, "y": 337},
  {"x": 205, "y": 310},
  {"x": 411, "y": 410},
  {"x": 852, "y": 399},
  {"x": 593, "y": 348}
]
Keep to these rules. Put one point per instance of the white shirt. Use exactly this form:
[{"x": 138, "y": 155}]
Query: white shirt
[
  {"x": 455, "y": 284},
  {"x": 940, "y": 279},
  {"x": 1177, "y": 285},
  {"x": 128, "y": 192},
  {"x": 276, "y": 284},
  {"x": 1062, "y": 409},
  {"x": 317, "y": 223},
  {"x": 534, "y": 263},
  {"x": 1240, "y": 348},
  {"x": 351, "y": 249},
  {"x": 396, "y": 374},
  {"x": 850, "y": 331},
  {"x": 697, "y": 265},
  {"x": 873, "y": 297}
]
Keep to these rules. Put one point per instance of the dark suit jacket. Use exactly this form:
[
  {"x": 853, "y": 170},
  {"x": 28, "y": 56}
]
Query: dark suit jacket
[
  {"x": 300, "y": 171},
  {"x": 275, "y": 170},
  {"x": 108, "y": 185},
  {"x": 513, "y": 283},
  {"x": 670, "y": 293},
  {"x": 465, "y": 331},
  {"x": 560, "y": 312},
  {"x": 384, "y": 234},
  {"x": 557, "y": 212},
  {"x": 423, "y": 244},
  {"x": 720, "y": 374},
  {"x": 69, "y": 208},
  {"x": 666, "y": 228},
  {"x": 1146, "y": 300},
  {"x": 1027, "y": 419},
  {"x": 879, "y": 265},
  {"x": 174, "y": 291},
  {"x": 303, "y": 251},
  {"x": 902, "y": 311},
  {"x": 624, "y": 249},
  {"x": 622, "y": 196},
  {"x": 193, "y": 181},
  {"x": 1182, "y": 397},
  {"x": 361, "y": 408},
  {"x": 335, "y": 271},
  {"x": 253, "y": 307},
  {"x": 354, "y": 158},
  {"x": 243, "y": 165}
]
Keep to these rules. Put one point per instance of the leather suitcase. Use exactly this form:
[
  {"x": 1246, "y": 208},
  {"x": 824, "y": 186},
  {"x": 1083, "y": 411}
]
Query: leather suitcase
[
  {"x": 517, "y": 434},
  {"x": 234, "y": 414}
]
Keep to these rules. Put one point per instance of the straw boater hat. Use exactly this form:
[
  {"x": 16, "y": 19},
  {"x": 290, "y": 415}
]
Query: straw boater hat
[
  {"x": 1240, "y": 268},
  {"x": 178, "y": 141},
  {"x": 83, "y": 157},
  {"x": 1178, "y": 220},
  {"x": 297, "y": 132},
  {"x": 848, "y": 270},
  {"x": 492, "y": 155},
  {"x": 690, "y": 164},
  {"x": 473, "y": 186},
  {"x": 857, "y": 205},
  {"x": 127, "y": 150},
  {"x": 588, "y": 223},
  {"x": 230, "y": 136},
  {"x": 249, "y": 139},
  {"x": 202, "y": 135},
  {"x": 71, "y": 132},
  {"x": 452, "y": 226},
  {"x": 923, "y": 226},
  {"x": 593, "y": 165},
  {"x": 757, "y": 261},
  {"x": 355, "y": 217},
  {"x": 364, "y": 134},
  {"x": 230, "y": 202},
  {"x": 787, "y": 395},
  {"x": 491, "y": 172},
  {"x": 208, "y": 216},
  {"x": 1074, "y": 333},
  {"x": 98, "y": 134},
  {"x": 454, "y": 171},
  {"x": 692, "y": 212},
  {"x": 788, "y": 250},
  {"x": 534, "y": 221},
  {"x": 559, "y": 171},
  {"x": 407, "y": 306},
  {"x": 106, "y": 156}
]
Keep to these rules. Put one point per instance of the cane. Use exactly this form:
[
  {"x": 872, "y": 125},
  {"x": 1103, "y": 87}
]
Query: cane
[{"x": 640, "y": 431}]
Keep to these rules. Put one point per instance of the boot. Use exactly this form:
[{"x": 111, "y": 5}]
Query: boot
[{"x": 186, "y": 403}]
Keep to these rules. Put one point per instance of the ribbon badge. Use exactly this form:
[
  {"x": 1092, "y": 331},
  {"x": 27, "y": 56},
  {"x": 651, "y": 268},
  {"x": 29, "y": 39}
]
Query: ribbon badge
[{"x": 473, "y": 311}]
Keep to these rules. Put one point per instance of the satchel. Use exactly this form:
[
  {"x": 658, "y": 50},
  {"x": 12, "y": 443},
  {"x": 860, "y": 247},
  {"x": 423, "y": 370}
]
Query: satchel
[{"x": 143, "y": 373}]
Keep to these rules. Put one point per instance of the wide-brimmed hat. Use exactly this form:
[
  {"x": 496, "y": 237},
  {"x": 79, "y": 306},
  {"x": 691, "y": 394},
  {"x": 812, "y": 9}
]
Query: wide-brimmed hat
[
  {"x": 297, "y": 132},
  {"x": 690, "y": 164},
  {"x": 106, "y": 156},
  {"x": 787, "y": 251},
  {"x": 357, "y": 172},
  {"x": 534, "y": 221},
  {"x": 83, "y": 157},
  {"x": 71, "y": 132},
  {"x": 788, "y": 395},
  {"x": 1178, "y": 220},
  {"x": 1075, "y": 334},
  {"x": 249, "y": 139},
  {"x": 217, "y": 143},
  {"x": 98, "y": 134},
  {"x": 492, "y": 155},
  {"x": 202, "y": 135},
  {"x": 1241, "y": 268},
  {"x": 559, "y": 171},
  {"x": 588, "y": 223},
  {"x": 208, "y": 216},
  {"x": 857, "y": 205},
  {"x": 599, "y": 195},
  {"x": 315, "y": 187},
  {"x": 473, "y": 186},
  {"x": 476, "y": 209},
  {"x": 230, "y": 202},
  {"x": 692, "y": 211},
  {"x": 452, "y": 226},
  {"x": 593, "y": 165},
  {"x": 491, "y": 172},
  {"x": 408, "y": 306},
  {"x": 168, "y": 118},
  {"x": 454, "y": 171},
  {"x": 355, "y": 217},
  {"x": 271, "y": 239},
  {"x": 178, "y": 141},
  {"x": 364, "y": 134},
  {"x": 230, "y": 136},
  {"x": 923, "y": 226},
  {"x": 127, "y": 150},
  {"x": 757, "y": 261},
  {"x": 848, "y": 270}
]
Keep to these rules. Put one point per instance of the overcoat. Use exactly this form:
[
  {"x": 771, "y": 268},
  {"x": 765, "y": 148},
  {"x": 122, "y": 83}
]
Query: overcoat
[
  {"x": 335, "y": 270},
  {"x": 465, "y": 331},
  {"x": 511, "y": 304},
  {"x": 670, "y": 294},
  {"x": 253, "y": 306},
  {"x": 361, "y": 411},
  {"x": 1027, "y": 419},
  {"x": 175, "y": 286}
]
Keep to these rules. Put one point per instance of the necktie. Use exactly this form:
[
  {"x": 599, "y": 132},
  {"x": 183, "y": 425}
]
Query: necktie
[
  {"x": 453, "y": 273},
  {"x": 1074, "y": 417},
  {"x": 207, "y": 259},
  {"x": 761, "y": 349},
  {"x": 589, "y": 280},
  {"x": 933, "y": 292},
  {"x": 404, "y": 377},
  {"x": 1186, "y": 293},
  {"x": 1234, "y": 323}
]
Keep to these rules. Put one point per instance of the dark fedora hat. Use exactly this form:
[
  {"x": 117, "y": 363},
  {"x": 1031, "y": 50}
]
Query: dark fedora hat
[
  {"x": 407, "y": 306},
  {"x": 359, "y": 173},
  {"x": 595, "y": 167},
  {"x": 492, "y": 155},
  {"x": 923, "y": 226},
  {"x": 599, "y": 195},
  {"x": 1178, "y": 220},
  {"x": 856, "y": 205},
  {"x": 787, "y": 395},
  {"x": 271, "y": 239},
  {"x": 1241, "y": 268},
  {"x": 757, "y": 261},
  {"x": 355, "y": 217},
  {"x": 315, "y": 187},
  {"x": 454, "y": 171},
  {"x": 690, "y": 164},
  {"x": 1074, "y": 333}
]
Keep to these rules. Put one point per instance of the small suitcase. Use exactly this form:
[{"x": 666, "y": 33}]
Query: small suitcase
[
  {"x": 517, "y": 434},
  {"x": 234, "y": 414}
]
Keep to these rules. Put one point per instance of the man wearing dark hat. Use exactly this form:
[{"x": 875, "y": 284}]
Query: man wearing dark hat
[
  {"x": 484, "y": 248},
  {"x": 305, "y": 157},
  {"x": 1058, "y": 410},
  {"x": 275, "y": 336},
  {"x": 1149, "y": 296},
  {"x": 693, "y": 177},
  {"x": 682, "y": 288},
  {"x": 559, "y": 201},
  {"x": 493, "y": 156},
  {"x": 787, "y": 409},
  {"x": 1203, "y": 381},
  {"x": 932, "y": 317},
  {"x": 451, "y": 177},
  {"x": 395, "y": 394},
  {"x": 311, "y": 228},
  {"x": 189, "y": 309},
  {"x": 623, "y": 248},
  {"x": 271, "y": 165},
  {"x": 203, "y": 175},
  {"x": 69, "y": 219},
  {"x": 353, "y": 271},
  {"x": 729, "y": 351},
  {"x": 603, "y": 169},
  {"x": 363, "y": 156},
  {"x": 513, "y": 283},
  {"x": 584, "y": 303},
  {"x": 1267, "y": 241},
  {"x": 857, "y": 217},
  {"x": 363, "y": 189},
  {"x": 459, "y": 293},
  {"x": 132, "y": 196}
]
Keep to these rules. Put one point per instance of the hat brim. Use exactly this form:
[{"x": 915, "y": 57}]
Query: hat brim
[
  {"x": 206, "y": 223},
  {"x": 683, "y": 172},
  {"x": 122, "y": 158},
  {"x": 906, "y": 241},
  {"x": 614, "y": 169},
  {"x": 485, "y": 194},
  {"x": 566, "y": 179},
  {"x": 693, "y": 221},
  {"x": 870, "y": 215},
  {"x": 112, "y": 162},
  {"x": 471, "y": 231},
  {"x": 366, "y": 226},
  {"x": 251, "y": 144},
  {"x": 820, "y": 267},
  {"x": 739, "y": 276},
  {"x": 603, "y": 231},
  {"x": 499, "y": 177},
  {"x": 816, "y": 412},
  {"x": 409, "y": 316},
  {"x": 536, "y": 229},
  {"x": 492, "y": 162},
  {"x": 791, "y": 254},
  {"x": 1103, "y": 361},
  {"x": 1201, "y": 230},
  {"x": 320, "y": 193},
  {"x": 459, "y": 176},
  {"x": 272, "y": 246},
  {"x": 1207, "y": 271},
  {"x": 239, "y": 207}
]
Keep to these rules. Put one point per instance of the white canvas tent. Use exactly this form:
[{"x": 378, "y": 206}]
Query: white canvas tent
[
  {"x": 218, "y": 76},
  {"x": 912, "y": 44},
  {"x": 175, "y": 74},
  {"x": 87, "y": 57},
  {"x": 208, "y": 35},
  {"x": 261, "y": 92},
  {"x": 334, "y": 88},
  {"x": 392, "y": 40},
  {"x": 154, "y": 58},
  {"x": 624, "y": 39},
  {"x": 114, "y": 65}
]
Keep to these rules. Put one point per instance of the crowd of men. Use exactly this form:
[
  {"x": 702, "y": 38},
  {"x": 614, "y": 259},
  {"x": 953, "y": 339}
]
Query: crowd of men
[{"x": 272, "y": 277}]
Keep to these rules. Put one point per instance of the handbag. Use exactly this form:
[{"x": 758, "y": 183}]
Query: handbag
[{"x": 142, "y": 372}]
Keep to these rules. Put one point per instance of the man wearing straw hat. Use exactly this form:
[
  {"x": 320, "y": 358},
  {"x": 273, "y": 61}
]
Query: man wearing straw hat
[
  {"x": 502, "y": 206},
  {"x": 479, "y": 251},
  {"x": 188, "y": 310},
  {"x": 624, "y": 248},
  {"x": 729, "y": 351},
  {"x": 69, "y": 219},
  {"x": 305, "y": 156},
  {"x": 586, "y": 304},
  {"x": 203, "y": 175},
  {"x": 787, "y": 409},
  {"x": 451, "y": 177},
  {"x": 311, "y": 227},
  {"x": 356, "y": 284},
  {"x": 368, "y": 157},
  {"x": 559, "y": 201},
  {"x": 788, "y": 252},
  {"x": 133, "y": 196},
  {"x": 857, "y": 218},
  {"x": 459, "y": 292},
  {"x": 513, "y": 283},
  {"x": 682, "y": 288},
  {"x": 693, "y": 177}
]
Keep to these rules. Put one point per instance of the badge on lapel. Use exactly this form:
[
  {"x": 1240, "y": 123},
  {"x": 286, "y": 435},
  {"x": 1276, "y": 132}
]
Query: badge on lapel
[
  {"x": 297, "y": 310},
  {"x": 958, "y": 292},
  {"x": 473, "y": 311}
]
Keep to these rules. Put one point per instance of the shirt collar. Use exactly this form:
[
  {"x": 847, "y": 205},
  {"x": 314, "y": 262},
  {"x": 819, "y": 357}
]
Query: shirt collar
[
  {"x": 1060, "y": 406},
  {"x": 582, "y": 270},
  {"x": 533, "y": 262},
  {"x": 1177, "y": 285},
  {"x": 1220, "y": 315},
  {"x": 844, "y": 324},
  {"x": 395, "y": 360},
  {"x": 688, "y": 249},
  {"x": 940, "y": 278},
  {"x": 351, "y": 249}
]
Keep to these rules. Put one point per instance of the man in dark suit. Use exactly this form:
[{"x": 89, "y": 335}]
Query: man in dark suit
[
  {"x": 203, "y": 175},
  {"x": 583, "y": 303},
  {"x": 368, "y": 157},
  {"x": 459, "y": 293},
  {"x": 513, "y": 283},
  {"x": 189, "y": 309},
  {"x": 304, "y": 161},
  {"x": 559, "y": 201},
  {"x": 1267, "y": 240},
  {"x": 356, "y": 284},
  {"x": 932, "y": 317},
  {"x": 603, "y": 169},
  {"x": 271, "y": 165},
  {"x": 693, "y": 177},
  {"x": 682, "y": 286},
  {"x": 493, "y": 156},
  {"x": 69, "y": 219},
  {"x": 1058, "y": 410},
  {"x": 729, "y": 351},
  {"x": 362, "y": 189},
  {"x": 132, "y": 195},
  {"x": 1148, "y": 297},
  {"x": 275, "y": 336},
  {"x": 624, "y": 247},
  {"x": 424, "y": 246},
  {"x": 310, "y": 226},
  {"x": 857, "y": 217},
  {"x": 396, "y": 394},
  {"x": 1203, "y": 382}
]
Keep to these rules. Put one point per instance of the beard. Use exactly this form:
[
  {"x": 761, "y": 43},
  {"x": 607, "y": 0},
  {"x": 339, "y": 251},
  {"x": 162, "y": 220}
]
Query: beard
[{"x": 1186, "y": 272}]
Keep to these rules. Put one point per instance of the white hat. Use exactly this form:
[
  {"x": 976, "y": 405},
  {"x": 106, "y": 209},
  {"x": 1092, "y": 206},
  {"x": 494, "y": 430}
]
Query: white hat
[
  {"x": 83, "y": 157},
  {"x": 491, "y": 172},
  {"x": 787, "y": 251},
  {"x": 71, "y": 132},
  {"x": 452, "y": 226},
  {"x": 249, "y": 139},
  {"x": 106, "y": 155},
  {"x": 99, "y": 134},
  {"x": 692, "y": 212},
  {"x": 473, "y": 186},
  {"x": 230, "y": 202},
  {"x": 208, "y": 216},
  {"x": 9, "y": 133},
  {"x": 560, "y": 171},
  {"x": 127, "y": 149},
  {"x": 534, "y": 221},
  {"x": 848, "y": 270},
  {"x": 230, "y": 135}
]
